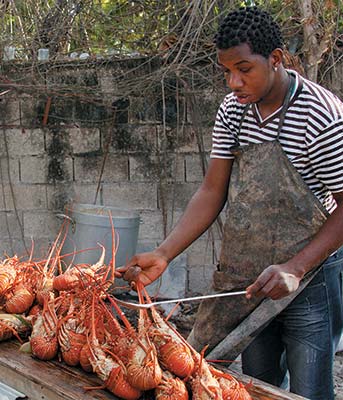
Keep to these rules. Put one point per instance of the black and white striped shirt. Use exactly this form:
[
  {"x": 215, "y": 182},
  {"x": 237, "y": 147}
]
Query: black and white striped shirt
[{"x": 311, "y": 136}]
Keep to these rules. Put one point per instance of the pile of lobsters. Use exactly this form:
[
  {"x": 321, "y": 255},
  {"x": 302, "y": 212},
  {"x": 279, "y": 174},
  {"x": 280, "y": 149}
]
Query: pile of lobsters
[{"x": 68, "y": 312}]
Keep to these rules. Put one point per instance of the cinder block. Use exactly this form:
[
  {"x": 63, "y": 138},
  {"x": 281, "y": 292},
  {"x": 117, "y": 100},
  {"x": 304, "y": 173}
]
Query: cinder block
[
  {"x": 90, "y": 113},
  {"x": 26, "y": 197},
  {"x": 13, "y": 247},
  {"x": 144, "y": 246},
  {"x": 41, "y": 245},
  {"x": 190, "y": 143},
  {"x": 151, "y": 226},
  {"x": 58, "y": 195},
  {"x": 88, "y": 169},
  {"x": 31, "y": 110},
  {"x": 10, "y": 225},
  {"x": 22, "y": 142},
  {"x": 200, "y": 279},
  {"x": 107, "y": 82},
  {"x": 134, "y": 138},
  {"x": 172, "y": 217},
  {"x": 170, "y": 167},
  {"x": 173, "y": 283},
  {"x": 177, "y": 195},
  {"x": 9, "y": 170},
  {"x": 86, "y": 193},
  {"x": 41, "y": 224},
  {"x": 131, "y": 195},
  {"x": 200, "y": 252},
  {"x": 9, "y": 109},
  {"x": 34, "y": 169},
  {"x": 61, "y": 110},
  {"x": 206, "y": 108},
  {"x": 43, "y": 169},
  {"x": 142, "y": 110},
  {"x": 194, "y": 169},
  {"x": 60, "y": 169},
  {"x": 84, "y": 140}
]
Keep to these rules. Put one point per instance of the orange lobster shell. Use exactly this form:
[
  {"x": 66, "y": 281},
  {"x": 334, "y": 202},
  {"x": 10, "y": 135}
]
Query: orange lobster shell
[
  {"x": 8, "y": 275},
  {"x": 171, "y": 388},
  {"x": 85, "y": 355},
  {"x": 44, "y": 343},
  {"x": 44, "y": 349},
  {"x": 21, "y": 300},
  {"x": 71, "y": 350}
]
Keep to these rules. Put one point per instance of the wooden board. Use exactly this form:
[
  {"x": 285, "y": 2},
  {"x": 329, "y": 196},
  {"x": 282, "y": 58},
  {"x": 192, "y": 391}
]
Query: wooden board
[
  {"x": 54, "y": 380},
  {"x": 263, "y": 391},
  {"x": 48, "y": 380}
]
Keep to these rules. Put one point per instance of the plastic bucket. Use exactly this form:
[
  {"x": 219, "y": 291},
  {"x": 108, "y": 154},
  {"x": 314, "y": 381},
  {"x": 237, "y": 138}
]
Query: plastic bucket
[{"x": 90, "y": 225}]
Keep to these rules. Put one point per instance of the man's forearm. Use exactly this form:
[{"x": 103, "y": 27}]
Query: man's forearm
[{"x": 200, "y": 213}]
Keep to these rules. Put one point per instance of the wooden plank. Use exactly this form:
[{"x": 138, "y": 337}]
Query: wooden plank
[
  {"x": 263, "y": 391},
  {"x": 53, "y": 380},
  {"x": 48, "y": 380}
]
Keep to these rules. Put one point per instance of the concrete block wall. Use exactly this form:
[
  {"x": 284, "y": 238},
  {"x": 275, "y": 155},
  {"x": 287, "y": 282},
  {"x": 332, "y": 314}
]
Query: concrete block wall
[{"x": 149, "y": 162}]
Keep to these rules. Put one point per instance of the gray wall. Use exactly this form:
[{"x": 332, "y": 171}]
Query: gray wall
[{"x": 152, "y": 165}]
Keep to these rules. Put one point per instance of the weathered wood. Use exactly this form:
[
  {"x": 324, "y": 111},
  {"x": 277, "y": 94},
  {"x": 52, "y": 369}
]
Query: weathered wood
[
  {"x": 53, "y": 380},
  {"x": 263, "y": 391},
  {"x": 48, "y": 380}
]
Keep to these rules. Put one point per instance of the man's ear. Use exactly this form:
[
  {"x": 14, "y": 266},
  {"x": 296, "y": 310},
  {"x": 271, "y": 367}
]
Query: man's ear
[{"x": 276, "y": 58}]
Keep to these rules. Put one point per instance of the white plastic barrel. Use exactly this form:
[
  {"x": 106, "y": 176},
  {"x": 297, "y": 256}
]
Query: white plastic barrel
[{"x": 90, "y": 225}]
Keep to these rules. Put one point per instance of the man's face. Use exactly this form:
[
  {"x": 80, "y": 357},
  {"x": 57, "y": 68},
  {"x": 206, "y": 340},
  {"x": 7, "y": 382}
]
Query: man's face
[{"x": 250, "y": 76}]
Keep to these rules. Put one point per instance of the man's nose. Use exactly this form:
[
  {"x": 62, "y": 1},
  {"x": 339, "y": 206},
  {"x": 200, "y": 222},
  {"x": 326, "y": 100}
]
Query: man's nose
[{"x": 234, "y": 81}]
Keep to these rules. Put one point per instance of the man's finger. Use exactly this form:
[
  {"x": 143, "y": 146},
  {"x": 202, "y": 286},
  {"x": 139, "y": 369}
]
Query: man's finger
[
  {"x": 132, "y": 273},
  {"x": 122, "y": 269},
  {"x": 256, "y": 288}
]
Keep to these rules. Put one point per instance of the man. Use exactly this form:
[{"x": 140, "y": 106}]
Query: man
[{"x": 270, "y": 104}]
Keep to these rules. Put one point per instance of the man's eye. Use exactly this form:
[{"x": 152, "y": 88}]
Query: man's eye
[
  {"x": 222, "y": 69},
  {"x": 245, "y": 70}
]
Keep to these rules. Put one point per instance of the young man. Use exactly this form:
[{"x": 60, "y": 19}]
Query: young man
[{"x": 269, "y": 103}]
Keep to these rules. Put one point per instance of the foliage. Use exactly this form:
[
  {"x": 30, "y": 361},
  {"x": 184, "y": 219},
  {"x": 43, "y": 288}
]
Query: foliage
[{"x": 180, "y": 29}]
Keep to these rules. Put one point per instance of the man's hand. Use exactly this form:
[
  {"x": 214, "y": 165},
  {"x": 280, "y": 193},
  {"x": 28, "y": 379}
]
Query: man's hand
[
  {"x": 144, "y": 267},
  {"x": 275, "y": 282}
]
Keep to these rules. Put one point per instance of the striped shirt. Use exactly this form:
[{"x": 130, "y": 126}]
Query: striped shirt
[{"x": 311, "y": 135}]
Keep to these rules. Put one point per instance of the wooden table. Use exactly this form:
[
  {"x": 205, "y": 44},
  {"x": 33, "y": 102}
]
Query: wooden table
[{"x": 54, "y": 380}]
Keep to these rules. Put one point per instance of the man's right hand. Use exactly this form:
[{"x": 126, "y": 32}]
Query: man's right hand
[{"x": 144, "y": 267}]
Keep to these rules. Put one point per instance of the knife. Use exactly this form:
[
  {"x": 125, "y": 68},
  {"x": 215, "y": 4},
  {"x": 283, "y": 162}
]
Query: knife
[{"x": 137, "y": 306}]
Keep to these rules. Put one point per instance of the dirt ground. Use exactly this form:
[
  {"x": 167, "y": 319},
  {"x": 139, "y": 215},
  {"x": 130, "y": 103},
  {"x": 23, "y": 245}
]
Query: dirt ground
[{"x": 338, "y": 374}]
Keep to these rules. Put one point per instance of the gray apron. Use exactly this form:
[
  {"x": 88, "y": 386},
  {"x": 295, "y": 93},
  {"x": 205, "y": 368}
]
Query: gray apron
[{"x": 271, "y": 216}]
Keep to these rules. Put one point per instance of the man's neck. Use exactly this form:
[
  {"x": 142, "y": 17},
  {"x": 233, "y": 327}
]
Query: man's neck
[{"x": 273, "y": 102}]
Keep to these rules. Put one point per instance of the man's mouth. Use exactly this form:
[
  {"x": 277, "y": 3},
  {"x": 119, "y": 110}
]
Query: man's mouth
[{"x": 241, "y": 97}]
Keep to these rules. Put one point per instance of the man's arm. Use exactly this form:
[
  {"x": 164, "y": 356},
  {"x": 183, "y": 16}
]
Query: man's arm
[{"x": 200, "y": 213}]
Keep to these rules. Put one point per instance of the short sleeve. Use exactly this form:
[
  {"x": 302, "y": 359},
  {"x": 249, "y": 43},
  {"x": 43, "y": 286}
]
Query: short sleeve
[
  {"x": 326, "y": 155},
  {"x": 222, "y": 138}
]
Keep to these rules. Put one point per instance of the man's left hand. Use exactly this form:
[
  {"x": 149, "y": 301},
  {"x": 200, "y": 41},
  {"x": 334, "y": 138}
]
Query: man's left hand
[{"x": 274, "y": 282}]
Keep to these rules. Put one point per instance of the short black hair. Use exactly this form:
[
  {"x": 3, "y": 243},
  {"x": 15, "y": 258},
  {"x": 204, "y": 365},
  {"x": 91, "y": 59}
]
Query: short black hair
[{"x": 250, "y": 25}]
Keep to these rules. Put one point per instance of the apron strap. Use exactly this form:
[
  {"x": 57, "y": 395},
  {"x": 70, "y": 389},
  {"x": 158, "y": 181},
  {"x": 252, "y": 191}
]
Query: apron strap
[
  {"x": 285, "y": 105},
  {"x": 244, "y": 114}
]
